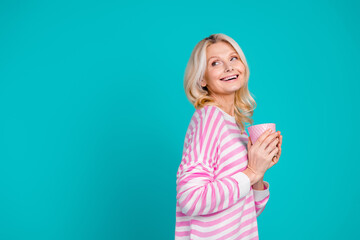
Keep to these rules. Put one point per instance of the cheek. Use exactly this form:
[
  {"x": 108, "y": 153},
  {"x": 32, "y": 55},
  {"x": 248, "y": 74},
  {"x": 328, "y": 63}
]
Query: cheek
[
  {"x": 214, "y": 74},
  {"x": 241, "y": 66}
]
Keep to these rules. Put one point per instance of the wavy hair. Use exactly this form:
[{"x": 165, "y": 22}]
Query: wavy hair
[{"x": 199, "y": 96}]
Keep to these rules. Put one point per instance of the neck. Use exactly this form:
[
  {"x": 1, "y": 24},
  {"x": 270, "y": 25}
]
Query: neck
[{"x": 226, "y": 103}]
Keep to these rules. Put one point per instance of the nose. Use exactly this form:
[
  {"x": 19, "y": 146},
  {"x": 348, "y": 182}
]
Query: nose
[{"x": 228, "y": 68}]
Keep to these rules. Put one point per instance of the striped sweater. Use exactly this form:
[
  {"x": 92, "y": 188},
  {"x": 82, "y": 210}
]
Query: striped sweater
[{"x": 214, "y": 197}]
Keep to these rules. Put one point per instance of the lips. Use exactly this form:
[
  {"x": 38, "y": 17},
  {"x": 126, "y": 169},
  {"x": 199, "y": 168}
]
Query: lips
[{"x": 230, "y": 77}]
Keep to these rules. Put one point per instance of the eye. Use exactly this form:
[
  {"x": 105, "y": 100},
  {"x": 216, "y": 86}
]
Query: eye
[
  {"x": 212, "y": 64},
  {"x": 234, "y": 57}
]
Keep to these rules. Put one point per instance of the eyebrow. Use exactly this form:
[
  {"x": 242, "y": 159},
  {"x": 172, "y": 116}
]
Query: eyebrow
[{"x": 219, "y": 57}]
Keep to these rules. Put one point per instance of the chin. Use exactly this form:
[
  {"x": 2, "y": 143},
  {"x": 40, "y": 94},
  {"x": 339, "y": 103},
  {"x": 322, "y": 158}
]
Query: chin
[{"x": 235, "y": 88}]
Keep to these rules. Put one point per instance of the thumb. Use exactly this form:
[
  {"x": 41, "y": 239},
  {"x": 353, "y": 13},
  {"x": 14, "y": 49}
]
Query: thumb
[{"x": 271, "y": 164}]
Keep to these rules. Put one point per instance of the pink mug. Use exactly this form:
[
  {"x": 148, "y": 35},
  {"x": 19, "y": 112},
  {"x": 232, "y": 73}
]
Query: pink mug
[{"x": 255, "y": 131}]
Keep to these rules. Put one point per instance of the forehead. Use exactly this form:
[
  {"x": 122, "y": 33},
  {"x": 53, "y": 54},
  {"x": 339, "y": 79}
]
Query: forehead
[{"x": 219, "y": 49}]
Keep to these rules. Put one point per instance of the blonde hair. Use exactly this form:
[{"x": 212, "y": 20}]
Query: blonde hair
[{"x": 199, "y": 96}]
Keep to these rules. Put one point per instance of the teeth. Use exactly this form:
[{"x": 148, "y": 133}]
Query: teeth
[{"x": 229, "y": 78}]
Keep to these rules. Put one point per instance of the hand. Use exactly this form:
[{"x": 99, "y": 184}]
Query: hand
[
  {"x": 261, "y": 153},
  {"x": 275, "y": 160}
]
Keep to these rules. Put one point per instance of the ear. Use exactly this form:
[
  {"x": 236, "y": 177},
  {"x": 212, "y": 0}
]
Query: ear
[{"x": 203, "y": 83}]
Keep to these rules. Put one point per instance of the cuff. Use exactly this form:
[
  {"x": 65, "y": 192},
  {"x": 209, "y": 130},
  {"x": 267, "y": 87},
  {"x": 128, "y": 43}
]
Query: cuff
[
  {"x": 243, "y": 182},
  {"x": 259, "y": 195}
]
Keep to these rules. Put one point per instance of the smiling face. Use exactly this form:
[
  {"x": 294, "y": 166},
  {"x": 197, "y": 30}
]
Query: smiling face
[{"x": 225, "y": 72}]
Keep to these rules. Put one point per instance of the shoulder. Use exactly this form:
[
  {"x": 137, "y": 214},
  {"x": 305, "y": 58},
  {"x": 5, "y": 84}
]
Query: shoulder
[
  {"x": 207, "y": 118},
  {"x": 207, "y": 113}
]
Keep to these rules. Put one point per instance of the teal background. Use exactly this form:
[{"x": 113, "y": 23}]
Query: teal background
[{"x": 94, "y": 115}]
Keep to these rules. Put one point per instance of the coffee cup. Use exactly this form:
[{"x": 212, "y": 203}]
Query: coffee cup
[{"x": 255, "y": 131}]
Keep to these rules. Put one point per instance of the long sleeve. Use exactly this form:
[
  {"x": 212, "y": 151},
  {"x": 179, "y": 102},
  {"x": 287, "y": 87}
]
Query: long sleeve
[
  {"x": 199, "y": 192},
  {"x": 261, "y": 197}
]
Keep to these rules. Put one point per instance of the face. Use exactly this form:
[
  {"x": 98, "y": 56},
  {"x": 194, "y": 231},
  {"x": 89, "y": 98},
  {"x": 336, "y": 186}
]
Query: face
[{"x": 222, "y": 61}]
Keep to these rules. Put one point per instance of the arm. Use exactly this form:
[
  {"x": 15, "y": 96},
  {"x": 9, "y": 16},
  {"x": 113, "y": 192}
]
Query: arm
[
  {"x": 259, "y": 185},
  {"x": 261, "y": 192},
  {"x": 261, "y": 195},
  {"x": 198, "y": 192}
]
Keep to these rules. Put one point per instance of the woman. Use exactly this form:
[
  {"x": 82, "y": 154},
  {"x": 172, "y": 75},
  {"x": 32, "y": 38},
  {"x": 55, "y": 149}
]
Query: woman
[{"x": 220, "y": 187}]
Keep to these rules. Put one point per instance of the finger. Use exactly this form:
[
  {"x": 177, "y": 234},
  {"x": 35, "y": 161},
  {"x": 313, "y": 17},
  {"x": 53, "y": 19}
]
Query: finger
[
  {"x": 280, "y": 142},
  {"x": 274, "y": 152},
  {"x": 279, "y": 154},
  {"x": 264, "y": 135},
  {"x": 280, "y": 139},
  {"x": 272, "y": 145},
  {"x": 274, "y": 161},
  {"x": 271, "y": 164},
  {"x": 268, "y": 140},
  {"x": 249, "y": 144}
]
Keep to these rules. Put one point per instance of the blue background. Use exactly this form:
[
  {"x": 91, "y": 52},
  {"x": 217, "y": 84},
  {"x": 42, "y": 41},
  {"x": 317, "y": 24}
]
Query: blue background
[{"x": 94, "y": 114}]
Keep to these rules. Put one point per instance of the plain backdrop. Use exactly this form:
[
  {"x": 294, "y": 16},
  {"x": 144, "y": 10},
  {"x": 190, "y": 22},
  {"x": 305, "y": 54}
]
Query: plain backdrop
[{"x": 93, "y": 113}]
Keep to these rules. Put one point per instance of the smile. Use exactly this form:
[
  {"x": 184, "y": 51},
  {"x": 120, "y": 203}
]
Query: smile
[{"x": 229, "y": 78}]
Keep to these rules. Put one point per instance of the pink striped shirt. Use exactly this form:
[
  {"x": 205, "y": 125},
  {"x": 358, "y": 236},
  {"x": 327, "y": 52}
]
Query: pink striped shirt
[{"x": 214, "y": 197}]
